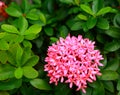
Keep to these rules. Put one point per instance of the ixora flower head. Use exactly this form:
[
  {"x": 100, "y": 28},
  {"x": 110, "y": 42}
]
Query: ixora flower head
[{"x": 73, "y": 60}]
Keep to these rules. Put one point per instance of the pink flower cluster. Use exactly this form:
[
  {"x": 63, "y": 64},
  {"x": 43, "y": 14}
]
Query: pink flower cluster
[{"x": 73, "y": 60}]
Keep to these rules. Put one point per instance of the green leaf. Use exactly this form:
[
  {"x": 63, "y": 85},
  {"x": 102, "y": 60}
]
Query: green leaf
[
  {"x": 63, "y": 31},
  {"x": 18, "y": 73},
  {"x": 102, "y": 23},
  {"x": 109, "y": 75},
  {"x": 34, "y": 29},
  {"x": 97, "y": 5},
  {"x": 116, "y": 20},
  {"x": 6, "y": 71},
  {"x": 9, "y": 28},
  {"x": 13, "y": 12},
  {"x": 33, "y": 14},
  {"x": 108, "y": 85},
  {"x": 104, "y": 11},
  {"x": 31, "y": 36},
  {"x": 76, "y": 26},
  {"x": 2, "y": 34},
  {"x": 10, "y": 84},
  {"x": 26, "y": 55},
  {"x": 29, "y": 72},
  {"x": 25, "y": 5},
  {"x": 101, "y": 89},
  {"x": 82, "y": 17},
  {"x": 27, "y": 44},
  {"x": 13, "y": 38},
  {"x": 87, "y": 9},
  {"x": 118, "y": 85},
  {"x": 49, "y": 31},
  {"x": 91, "y": 22},
  {"x": 113, "y": 32},
  {"x": 113, "y": 64},
  {"x": 3, "y": 57},
  {"x": 40, "y": 84},
  {"x": 12, "y": 54},
  {"x": 4, "y": 45},
  {"x": 112, "y": 46},
  {"x": 42, "y": 17},
  {"x": 23, "y": 24},
  {"x": 19, "y": 54},
  {"x": 32, "y": 61}
]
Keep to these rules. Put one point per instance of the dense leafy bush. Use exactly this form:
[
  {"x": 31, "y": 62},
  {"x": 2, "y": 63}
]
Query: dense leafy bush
[{"x": 34, "y": 25}]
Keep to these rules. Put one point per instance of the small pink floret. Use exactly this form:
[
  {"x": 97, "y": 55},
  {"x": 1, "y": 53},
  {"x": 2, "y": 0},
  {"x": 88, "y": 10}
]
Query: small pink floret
[{"x": 73, "y": 60}]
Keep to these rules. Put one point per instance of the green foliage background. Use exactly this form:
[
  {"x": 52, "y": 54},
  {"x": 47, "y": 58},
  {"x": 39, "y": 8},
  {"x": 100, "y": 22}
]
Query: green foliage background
[{"x": 34, "y": 25}]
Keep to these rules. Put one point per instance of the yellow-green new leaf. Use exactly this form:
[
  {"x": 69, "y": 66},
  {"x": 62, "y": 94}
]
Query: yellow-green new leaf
[
  {"x": 104, "y": 11},
  {"x": 34, "y": 29},
  {"x": 18, "y": 73},
  {"x": 87, "y": 9},
  {"x": 10, "y": 28},
  {"x": 29, "y": 72}
]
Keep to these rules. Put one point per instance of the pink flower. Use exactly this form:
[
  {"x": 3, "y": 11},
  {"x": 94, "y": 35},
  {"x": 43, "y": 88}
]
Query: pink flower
[{"x": 73, "y": 60}]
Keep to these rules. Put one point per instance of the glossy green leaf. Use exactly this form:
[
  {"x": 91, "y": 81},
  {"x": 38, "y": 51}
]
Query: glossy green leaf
[
  {"x": 4, "y": 45},
  {"x": 118, "y": 85},
  {"x": 13, "y": 12},
  {"x": 23, "y": 24},
  {"x": 113, "y": 32},
  {"x": 27, "y": 44},
  {"x": 112, "y": 46},
  {"x": 30, "y": 36},
  {"x": 109, "y": 85},
  {"x": 9, "y": 28},
  {"x": 82, "y": 17},
  {"x": 2, "y": 34},
  {"x": 102, "y": 23},
  {"x": 87, "y": 9},
  {"x": 18, "y": 73},
  {"x": 63, "y": 31},
  {"x": 29, "y": 72},
  {"x": 40, "y": 84},
  {"x": 10, "y": 84},
  {"x": 19, "y": 54},
  {"x": 109, "y": 75},
  {"x": 97, "y": 5},
  {"x": 33, "y": 15},
  {"x": 25, "y": 5},
  {"x": 32, "y": 61},
  {"x": 26, "y": 55},
  {"x": 3, "y": 57},
  {"x": 76, "y": 26},
  {"x": 101, "y": 89},
  {"x": 113, "y": 64},
  {"x": 34, "y": 29},
  {"x": 13, "y": 38},
  {"x": 91, "y": 22},
  {"x": 42, "y": 17},
  {"x": 116, "y": 20},
  {"x": 6, "y": 71},
  {"x": 49, "y": 31},
  {"x": 104, "y": 11}
]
